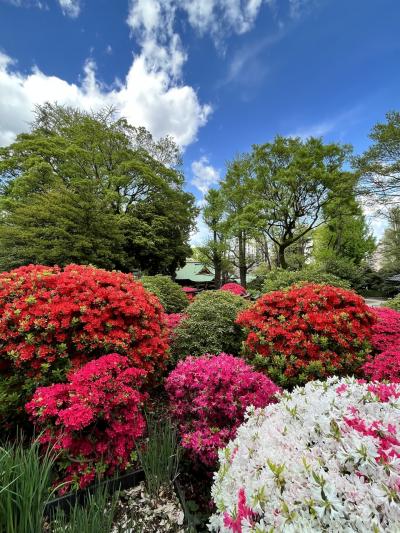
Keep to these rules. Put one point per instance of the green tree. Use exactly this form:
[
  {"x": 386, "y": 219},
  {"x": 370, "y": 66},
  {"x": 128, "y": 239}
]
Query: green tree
[
  {"x": 241, "y": 222},
  {"x": 390, "y": 244},
  {"x": 379, "y": 166},
  {"x": 132, "y": 182},
  {"x": 294, "y": 182},
  {"x": 214, "y": 251}
]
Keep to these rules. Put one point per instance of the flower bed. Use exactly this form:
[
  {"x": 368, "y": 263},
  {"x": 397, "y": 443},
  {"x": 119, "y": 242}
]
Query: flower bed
[
  {"x": 325, "y": 458},
  {"x": 53, "y": 319}
]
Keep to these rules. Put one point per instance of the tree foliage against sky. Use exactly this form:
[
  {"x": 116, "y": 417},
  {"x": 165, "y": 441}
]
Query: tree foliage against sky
[{"x": 90, "y": 188}]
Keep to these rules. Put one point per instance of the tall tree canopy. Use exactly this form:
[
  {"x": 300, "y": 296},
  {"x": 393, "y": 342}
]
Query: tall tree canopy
[
  {"x": 90, "y": 188},
  {"x": 379, "y": 166},
  {"x": 390, "y": 244},
  {"x": 294, "y": 183}
]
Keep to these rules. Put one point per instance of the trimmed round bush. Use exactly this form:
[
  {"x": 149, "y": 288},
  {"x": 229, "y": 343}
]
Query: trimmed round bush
[
  {"x": 307, "y": 332},
  {"x": 325, "y": 458},
  {"x": 52, "y": 319},
  {"x": 92, "y": 421},
  {"x": 393, "y": 303},
  {"x": 386, "y": 330},
  {"x": 280, "y": 279},
  {"x": 170, "y": 294},
  {"x": 209, "y": 326},
  {"x": 234, "y": 288},
  {"x": 208, "y": 397}
]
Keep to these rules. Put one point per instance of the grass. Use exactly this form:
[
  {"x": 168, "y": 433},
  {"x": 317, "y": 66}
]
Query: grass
[
  {"x": 25, "y": 481},
  {"x": 161, "y": 455}
]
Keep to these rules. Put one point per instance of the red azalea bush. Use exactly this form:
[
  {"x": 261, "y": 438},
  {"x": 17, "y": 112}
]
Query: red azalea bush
[
  {"x": 52, "y": 319},
  {"x": 386, "y": 330},
  {"x": 384, "y": 366},
  {"x": 209, "y": 396},
  {"x": 93, "y": 420},
  {"x": 308, "y": 332},
  {"x": 234, "y": 288}
]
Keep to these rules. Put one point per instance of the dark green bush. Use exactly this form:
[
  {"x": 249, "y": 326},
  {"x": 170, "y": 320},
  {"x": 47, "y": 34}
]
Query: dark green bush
[
  {"x": 210, "y": 325},
  {"x": 170, "y": 294},
  {"x": 279, "y": 279}
]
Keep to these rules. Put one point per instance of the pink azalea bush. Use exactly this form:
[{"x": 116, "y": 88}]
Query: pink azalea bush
[
  {"x": 384, "y": 366},
  {"x": 234, "y": 288},
  {"x": 325, "y": 458},
  {"x": 209, "y": 395},
  {"x": 386, "y": 331},
  {"x": 92, "y": 420}
]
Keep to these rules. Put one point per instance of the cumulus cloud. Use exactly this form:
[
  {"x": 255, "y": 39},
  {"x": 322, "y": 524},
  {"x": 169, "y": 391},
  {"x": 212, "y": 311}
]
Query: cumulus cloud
[
  {"x": 71, "y": 8},
  {"x": 204, "y": 175},
  {"x": 146, "y": 97}
]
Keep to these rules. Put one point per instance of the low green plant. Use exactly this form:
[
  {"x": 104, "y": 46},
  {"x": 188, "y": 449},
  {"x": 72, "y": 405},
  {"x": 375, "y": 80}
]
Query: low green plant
[
  {"x": 25, "y": 486},
  {"x": 280, "y": 279},
  {"x": 393, "y": 303},
  {"x": 160, "y": 455},
  {"x": 170, "y": 294},
  {"x": 97, "y": 515},
  {"x": 210, "y": 326}
]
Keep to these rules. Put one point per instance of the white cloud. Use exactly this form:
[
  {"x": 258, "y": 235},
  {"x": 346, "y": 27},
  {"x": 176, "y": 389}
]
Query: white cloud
[
  {"x": 146, "y": 97},
  {"x": 204, "y": 175},
  {"x": 71, "y": 8}
]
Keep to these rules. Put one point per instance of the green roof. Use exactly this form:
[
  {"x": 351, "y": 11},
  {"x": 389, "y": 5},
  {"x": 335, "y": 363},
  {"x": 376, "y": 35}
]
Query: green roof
[{"x": 196, "y": 272}]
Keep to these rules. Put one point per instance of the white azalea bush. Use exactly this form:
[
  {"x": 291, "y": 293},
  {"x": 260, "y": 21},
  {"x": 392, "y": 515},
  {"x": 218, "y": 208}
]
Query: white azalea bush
[{"x": 325, "y": 458}]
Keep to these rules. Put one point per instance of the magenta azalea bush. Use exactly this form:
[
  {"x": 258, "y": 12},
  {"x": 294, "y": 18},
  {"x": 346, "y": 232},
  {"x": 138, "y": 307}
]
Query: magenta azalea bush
[
  {"x": 209, "y": 396},
  {"x": 386, "y": 330}
]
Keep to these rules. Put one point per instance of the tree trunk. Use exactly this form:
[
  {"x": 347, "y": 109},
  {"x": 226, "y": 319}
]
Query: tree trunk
[
  {"x": 242, "y": 260},
  {"x": 217, "y": 273},
  {"x": 281, "y": 257}
]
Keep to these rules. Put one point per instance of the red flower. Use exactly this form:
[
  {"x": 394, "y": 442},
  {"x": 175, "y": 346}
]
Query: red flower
[
  {"x": 94, "y": 419},
  {"x": 308, "y": 332}
]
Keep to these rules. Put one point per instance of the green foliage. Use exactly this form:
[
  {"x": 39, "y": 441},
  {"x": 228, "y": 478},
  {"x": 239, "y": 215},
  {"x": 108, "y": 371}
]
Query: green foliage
[
  {"x": 97, "y": 515},
  {"x": 294, "y": 183},
  {"x": 160, "y": 455},
  {"x": 89, "y": 188},
  {"x": 210, "y": 325},
  {"x": 282, "y": 279},
  {"x": 170, "y": 294},
  {"x": 379, "y": 166},
  {"x": 393, "y": 303},
  {"x": 25, "y": 486},
  {"x": 390, "y": 244}
]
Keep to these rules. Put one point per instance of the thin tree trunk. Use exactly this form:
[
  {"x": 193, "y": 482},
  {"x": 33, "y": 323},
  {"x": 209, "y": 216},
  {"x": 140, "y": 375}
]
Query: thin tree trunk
[{"x": 242, "y": 260}]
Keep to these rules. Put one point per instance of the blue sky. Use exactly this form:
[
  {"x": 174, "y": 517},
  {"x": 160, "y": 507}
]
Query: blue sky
[{"x": 218, "y": 75}]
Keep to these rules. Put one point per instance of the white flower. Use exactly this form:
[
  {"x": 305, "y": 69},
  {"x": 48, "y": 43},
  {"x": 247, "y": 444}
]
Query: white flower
[{"x": 325, "y": 458}]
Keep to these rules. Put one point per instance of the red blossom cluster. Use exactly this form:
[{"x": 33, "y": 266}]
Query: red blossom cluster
[
  {"x": 173, "y": 320},
  {"x": 386, "y": 340},
  {"x": 93, "y": 420},
  {"x": 52, "y": 319},
  {"x": 308, "y": 332},
  {"x": 386, "y": 330},
  {"x": 234, "y": 288},
  {"x": 190, "y": 293},
  {"x": 209, "y": 396}
]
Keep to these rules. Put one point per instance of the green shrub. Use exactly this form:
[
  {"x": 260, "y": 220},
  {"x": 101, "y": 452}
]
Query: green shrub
[
  {"x": 170, "y": 294},
  {"x": 210, "y": 325},
  {"x": 279, "y": 279},
  {"x": 393, "y": 303}
]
